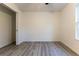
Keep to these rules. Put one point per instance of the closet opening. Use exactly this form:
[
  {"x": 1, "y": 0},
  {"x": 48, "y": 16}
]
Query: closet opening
[{"x": 7, "y": 26}]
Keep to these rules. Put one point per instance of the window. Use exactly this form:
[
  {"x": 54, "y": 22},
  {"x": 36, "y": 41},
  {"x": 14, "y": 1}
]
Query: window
[{"x": 77, "y": 22}]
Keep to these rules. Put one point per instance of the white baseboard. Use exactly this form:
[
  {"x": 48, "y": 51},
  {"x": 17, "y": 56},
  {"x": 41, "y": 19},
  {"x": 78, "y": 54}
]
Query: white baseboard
[{"x": 35, "y": 41}]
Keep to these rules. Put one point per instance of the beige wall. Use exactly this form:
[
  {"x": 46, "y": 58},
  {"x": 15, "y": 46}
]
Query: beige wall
[
  {"x": 39, "y": 26},
  {"x": 68, "y": 27},
  {"x": 12, "y": 6},
  {"x": 7, "y": 27}
]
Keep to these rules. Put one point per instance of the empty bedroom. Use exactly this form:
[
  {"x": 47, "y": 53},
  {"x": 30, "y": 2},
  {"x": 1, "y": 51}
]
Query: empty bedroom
[{"x": 39, "y": 29}]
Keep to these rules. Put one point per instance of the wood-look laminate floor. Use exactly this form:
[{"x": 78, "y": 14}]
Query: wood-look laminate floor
[{"x": 36, "y": 49}]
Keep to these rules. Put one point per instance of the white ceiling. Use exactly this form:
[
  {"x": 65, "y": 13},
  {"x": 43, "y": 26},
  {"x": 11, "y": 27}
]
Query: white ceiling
[{"x": 41, "y": 6}]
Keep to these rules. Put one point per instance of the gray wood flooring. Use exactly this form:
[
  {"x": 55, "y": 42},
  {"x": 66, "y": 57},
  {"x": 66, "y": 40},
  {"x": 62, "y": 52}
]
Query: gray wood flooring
[{"x": 36, "y": 49}]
